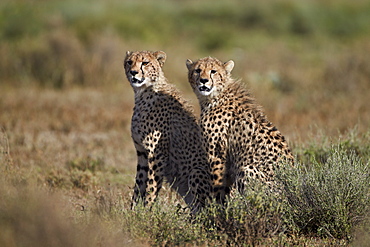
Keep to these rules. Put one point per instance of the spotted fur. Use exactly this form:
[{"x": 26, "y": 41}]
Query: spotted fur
[
  {"x": 240, "y": 142},
  {"x": 166, "y": 135}
]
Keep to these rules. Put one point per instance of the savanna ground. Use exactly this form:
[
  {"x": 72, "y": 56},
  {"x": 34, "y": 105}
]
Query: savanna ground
[{"x": 67, "y": 161}]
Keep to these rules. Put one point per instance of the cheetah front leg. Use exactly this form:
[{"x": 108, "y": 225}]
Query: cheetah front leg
[
  {"x": 156, "y": 161},
  {"x": 141, "y": 175},
  {"x": 217, "y": 157},
  {"x": 149, "y": 176},
  {"x": 200, "y": 188}
]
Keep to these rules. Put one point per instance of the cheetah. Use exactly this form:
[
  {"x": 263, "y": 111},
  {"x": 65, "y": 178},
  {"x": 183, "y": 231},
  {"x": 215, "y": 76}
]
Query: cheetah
[
  {"x": 166, "y": 135},
  {"x": 241, "y": 143}
]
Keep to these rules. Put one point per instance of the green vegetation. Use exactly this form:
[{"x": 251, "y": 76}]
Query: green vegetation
[
  {"x": 320, "y": 203},
  {"x": 329, "y": 198},
  {"x": 67, "y": 162}
]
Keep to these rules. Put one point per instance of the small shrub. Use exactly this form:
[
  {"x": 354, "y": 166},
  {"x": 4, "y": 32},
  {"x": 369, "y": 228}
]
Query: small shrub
[
  {"x": 248, "y": 219},
  {"x": 164, "y": 224},
  {"x": 328, "y": 198},
  {"x": 87, "y": 164},
  {"x": 56, "y": 179},
  {"x": 80, "y": 173},
  {"x": 81, "y": 179}
]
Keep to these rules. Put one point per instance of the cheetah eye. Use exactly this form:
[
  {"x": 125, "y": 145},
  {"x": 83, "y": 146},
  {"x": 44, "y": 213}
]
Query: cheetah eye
[
  {"x": 145, "y": 63},
  {"x": 198, "y": 71},
  {"x": 213, "y": 71},
  {"x": 129, "y": 62}
]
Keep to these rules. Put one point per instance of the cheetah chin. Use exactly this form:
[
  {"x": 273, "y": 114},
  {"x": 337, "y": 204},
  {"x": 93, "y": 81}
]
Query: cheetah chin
[
  {"x": 204, "y": 90},
  {"x": 137, "y": 82}
]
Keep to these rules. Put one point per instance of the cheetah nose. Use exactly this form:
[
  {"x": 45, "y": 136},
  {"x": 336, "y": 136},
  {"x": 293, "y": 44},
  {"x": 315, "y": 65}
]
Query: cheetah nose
[
  {"x": 203, "y": 80},
  {"x": 133, "y": 72}
]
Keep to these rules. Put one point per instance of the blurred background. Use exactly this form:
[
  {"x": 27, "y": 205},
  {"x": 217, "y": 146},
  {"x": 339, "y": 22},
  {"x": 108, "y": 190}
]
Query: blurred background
[
  {"x": 306, "y": 62},
  {"x": 61, "y": 74}
]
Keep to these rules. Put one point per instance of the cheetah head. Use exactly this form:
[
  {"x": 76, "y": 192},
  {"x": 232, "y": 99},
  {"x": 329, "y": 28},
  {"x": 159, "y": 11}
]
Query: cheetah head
[
  {"x": 207, "y": 76},
  {"x": 143, "y": 68}
]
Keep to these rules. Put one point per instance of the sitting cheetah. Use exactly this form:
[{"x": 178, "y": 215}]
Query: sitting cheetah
[
  {"x": 241, "y": 143},
  {"x": 166, "y": 135}
]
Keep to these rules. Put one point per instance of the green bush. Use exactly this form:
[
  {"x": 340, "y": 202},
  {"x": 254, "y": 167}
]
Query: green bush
[
  {"x": 164, "y": 224},
  {"x": 249, "y": 219},
  {"x": 329, "y": 197}
]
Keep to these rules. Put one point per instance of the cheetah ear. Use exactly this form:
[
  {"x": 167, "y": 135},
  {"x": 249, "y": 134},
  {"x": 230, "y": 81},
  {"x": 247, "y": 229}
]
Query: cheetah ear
[
  {"x": 161, "y": 57},
  {"x": 189, "y": 64},
  {"x": 229, "y": 65},
  {"x": 128, "y": 53}
]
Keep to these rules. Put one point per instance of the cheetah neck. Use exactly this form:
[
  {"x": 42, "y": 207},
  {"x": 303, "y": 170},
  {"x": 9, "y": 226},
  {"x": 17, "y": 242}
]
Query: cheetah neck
[
  {"x": 218, "y": 96},
  {"x": 233, "y": 96},
  {"x": 155, "y": 86},
  {"x": 159, "y": 89}
]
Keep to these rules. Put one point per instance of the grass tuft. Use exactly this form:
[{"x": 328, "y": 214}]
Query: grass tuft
[
  {"x": 164, "y": 224},
  {"x": 250, "y": 219}
]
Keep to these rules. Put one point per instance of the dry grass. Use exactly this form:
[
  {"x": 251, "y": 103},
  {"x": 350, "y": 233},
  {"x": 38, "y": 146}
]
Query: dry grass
[
  {"x": 69, "y": 151},
  {"x": 72, "y": 158}
]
